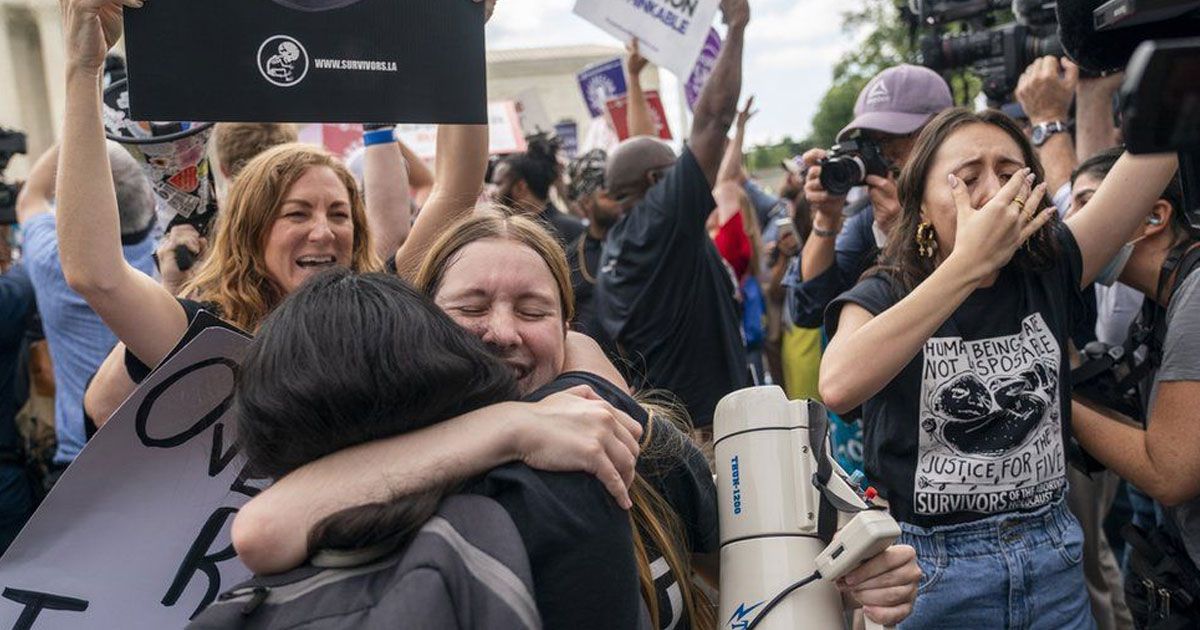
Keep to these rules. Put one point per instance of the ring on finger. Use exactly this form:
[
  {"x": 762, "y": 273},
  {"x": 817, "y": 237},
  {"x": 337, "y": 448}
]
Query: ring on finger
[{"x": 1020, "y": 203}]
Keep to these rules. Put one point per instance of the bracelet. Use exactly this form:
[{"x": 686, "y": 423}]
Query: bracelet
[
  {"x": 824, "y": 233},
  {"x": 379, "y": 136}
]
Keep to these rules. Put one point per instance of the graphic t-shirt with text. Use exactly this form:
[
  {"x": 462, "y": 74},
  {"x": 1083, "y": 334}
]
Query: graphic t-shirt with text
[{"x": 975, "y": 424}]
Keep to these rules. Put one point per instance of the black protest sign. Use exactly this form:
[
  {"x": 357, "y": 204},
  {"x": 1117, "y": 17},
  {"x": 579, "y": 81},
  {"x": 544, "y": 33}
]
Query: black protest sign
[
  {"x": 136, "y": 533},
  {"x": 410, "y": 61}
]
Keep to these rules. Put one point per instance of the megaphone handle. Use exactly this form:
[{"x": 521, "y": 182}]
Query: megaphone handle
[
  {"x": 871, "y": 625},
  {"x": 184, "y": 258}
]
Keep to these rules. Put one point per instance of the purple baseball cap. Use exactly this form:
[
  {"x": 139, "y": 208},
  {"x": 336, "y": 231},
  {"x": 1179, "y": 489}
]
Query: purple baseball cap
[{"x": 899, "y": 101}]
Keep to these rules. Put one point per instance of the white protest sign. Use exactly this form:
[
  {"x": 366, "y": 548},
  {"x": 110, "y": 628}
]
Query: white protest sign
[
  {"x": 422, "y": 139},
  {"x": 671, "y": 32},
  {"x": 136, "y": 532}
]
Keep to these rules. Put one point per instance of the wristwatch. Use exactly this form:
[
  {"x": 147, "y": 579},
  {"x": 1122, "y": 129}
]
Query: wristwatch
[{"x": 1043, "y": 131}]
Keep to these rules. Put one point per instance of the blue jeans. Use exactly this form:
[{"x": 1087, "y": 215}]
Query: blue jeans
[{"x": 1013, "y": 571}]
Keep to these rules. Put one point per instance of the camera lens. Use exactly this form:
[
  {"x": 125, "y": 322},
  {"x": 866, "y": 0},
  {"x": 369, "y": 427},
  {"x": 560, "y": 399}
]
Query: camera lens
[{"x": 840, "y": 174}]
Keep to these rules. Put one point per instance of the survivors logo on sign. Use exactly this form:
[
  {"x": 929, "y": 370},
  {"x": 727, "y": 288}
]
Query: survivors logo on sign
[
  {"x": 991, "y": 425},
  {"x": 327, "y": 61},
  {"x": 283, "y": 61}
]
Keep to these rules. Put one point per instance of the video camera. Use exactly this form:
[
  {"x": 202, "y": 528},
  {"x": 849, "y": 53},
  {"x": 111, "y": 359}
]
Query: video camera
[
  {"x": 11, "y": 143},
  {"x": 990, "y": 43},
  {"x": 849, "y": 163}
]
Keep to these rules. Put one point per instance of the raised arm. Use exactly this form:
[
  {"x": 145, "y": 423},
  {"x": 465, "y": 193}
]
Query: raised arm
[
  {"x": 717, "y": 106},
  {"x": 985, "y": 241},
  {"x": 1045, "y": 91},
  {"x": 638, "y": 113},
  {"x": 570, "y": 431},
  {"x": 1094, "y": 129},
  {"x": 462, "y": 153},
  {"x": 1118, "y": 207},
  {"x": 386, "y": 190},
  {"x": 731, "y": 163},
  {"x": 137, "y": 309},
  {"x": 38, "y": 192}
]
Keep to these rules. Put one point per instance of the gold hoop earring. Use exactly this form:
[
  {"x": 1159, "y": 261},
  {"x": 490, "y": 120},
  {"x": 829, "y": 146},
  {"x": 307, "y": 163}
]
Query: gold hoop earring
[{"x": 926, "y": 243}]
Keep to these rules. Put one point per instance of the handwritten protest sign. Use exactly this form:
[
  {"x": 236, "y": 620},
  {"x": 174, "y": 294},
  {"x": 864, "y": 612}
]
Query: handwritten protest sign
[
  {"x": 136, "y": 532},
  {"x": 384, "y": 61},
  {"x": 703, "y": 68},
  {"x": 671, "y": 32},
  {"x": 600, "y": 82},
  {"x": 618, "y": 113}
]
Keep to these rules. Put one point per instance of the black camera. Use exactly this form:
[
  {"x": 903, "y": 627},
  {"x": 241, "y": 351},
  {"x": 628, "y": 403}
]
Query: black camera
[
  {"x": 11, "y": 143},
  {"x": 848, "y": 164},
  {"x": 989, "y": 42}
]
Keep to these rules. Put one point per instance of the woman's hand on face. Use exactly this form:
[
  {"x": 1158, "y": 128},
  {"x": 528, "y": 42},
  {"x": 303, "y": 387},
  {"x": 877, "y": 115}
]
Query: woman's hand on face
[
  {"x": 92, "y": 28},
  {"x": 886, "y": 585},
  {"x": 576, "y": 430},
  {"x": 988, "y": 237}
]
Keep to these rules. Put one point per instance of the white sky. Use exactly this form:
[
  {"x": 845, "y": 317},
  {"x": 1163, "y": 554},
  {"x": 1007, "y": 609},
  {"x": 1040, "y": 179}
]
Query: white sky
[{"x": 791, "y": 46}]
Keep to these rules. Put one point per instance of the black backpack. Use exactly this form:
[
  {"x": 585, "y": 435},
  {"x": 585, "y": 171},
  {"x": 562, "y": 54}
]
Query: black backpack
[{"x": 466, "y": 568}]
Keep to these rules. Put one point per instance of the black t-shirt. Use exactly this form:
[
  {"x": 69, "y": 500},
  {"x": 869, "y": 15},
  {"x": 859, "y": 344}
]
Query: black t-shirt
[
  {"x": 664, "y": 296},
  {"x": 135, "y": 368},
  {"x": 583, "y": 257},
  {"x": 975, "y": 424},
  {"x": 676, "y": 468},
  {"x": 565, "y": 227},
  {"x": 580, "y": 546}
]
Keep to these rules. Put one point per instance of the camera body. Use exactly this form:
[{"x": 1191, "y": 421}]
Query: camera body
[
  {"x": 849, "y": 163},
  {"x": 11, "y": 143}
]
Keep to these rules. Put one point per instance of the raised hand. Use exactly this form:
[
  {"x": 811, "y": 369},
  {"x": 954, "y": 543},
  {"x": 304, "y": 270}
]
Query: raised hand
[
  {"x": 746, "y": 113},
  {"x": 92, "y": 27},
  {"x": 988, "y": 237},
  {"x": 1046, "y": 88},
  {"x": 636, "y": 62}
]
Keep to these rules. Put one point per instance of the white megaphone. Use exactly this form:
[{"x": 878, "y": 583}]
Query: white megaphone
[{"x": 780, "y": 494}]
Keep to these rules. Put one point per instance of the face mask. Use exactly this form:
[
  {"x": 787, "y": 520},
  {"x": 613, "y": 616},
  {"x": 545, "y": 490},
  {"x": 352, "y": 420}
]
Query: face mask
[{"x": 1112, "y": 271}]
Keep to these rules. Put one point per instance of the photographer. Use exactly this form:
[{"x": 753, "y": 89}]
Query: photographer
[
  {"x": 956, "y": 347},
  {"x": 891, "y": 110},
  {"x": 1162, "y": 459}
]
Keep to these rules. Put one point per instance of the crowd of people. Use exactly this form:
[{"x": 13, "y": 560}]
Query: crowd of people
[{"x": 529, "y": 351}]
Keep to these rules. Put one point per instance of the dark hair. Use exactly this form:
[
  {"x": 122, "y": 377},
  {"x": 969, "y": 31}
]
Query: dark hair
[
  {"x": 350, "y": 358},
  {"x": 1100, "y": 164},
  {"x": 900, "y": 258},
  {"x": 538, "y": 165}
]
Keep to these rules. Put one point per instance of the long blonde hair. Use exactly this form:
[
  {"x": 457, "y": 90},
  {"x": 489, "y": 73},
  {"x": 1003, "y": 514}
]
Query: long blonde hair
[
  {"x": 653, "y": 520},
  {"x": 233, "y": 273}
]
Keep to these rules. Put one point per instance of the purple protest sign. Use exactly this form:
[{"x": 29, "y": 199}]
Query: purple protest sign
[
  {"x": 568, "y": 132},
  {"x": 704, "y": 67},
  {"x": 601, "y": 82}
]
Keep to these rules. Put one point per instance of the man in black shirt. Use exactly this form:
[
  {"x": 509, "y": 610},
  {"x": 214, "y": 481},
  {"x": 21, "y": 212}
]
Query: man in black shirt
[
  {"x": 522, "y": 181},
  {"x": 663, "y": 294}
]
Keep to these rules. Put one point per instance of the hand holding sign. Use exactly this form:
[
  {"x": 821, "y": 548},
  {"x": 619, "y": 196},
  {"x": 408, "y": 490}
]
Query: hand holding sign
[
  {"x": 92, "y": 28},
  {"x": 636, "y": 62}
]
